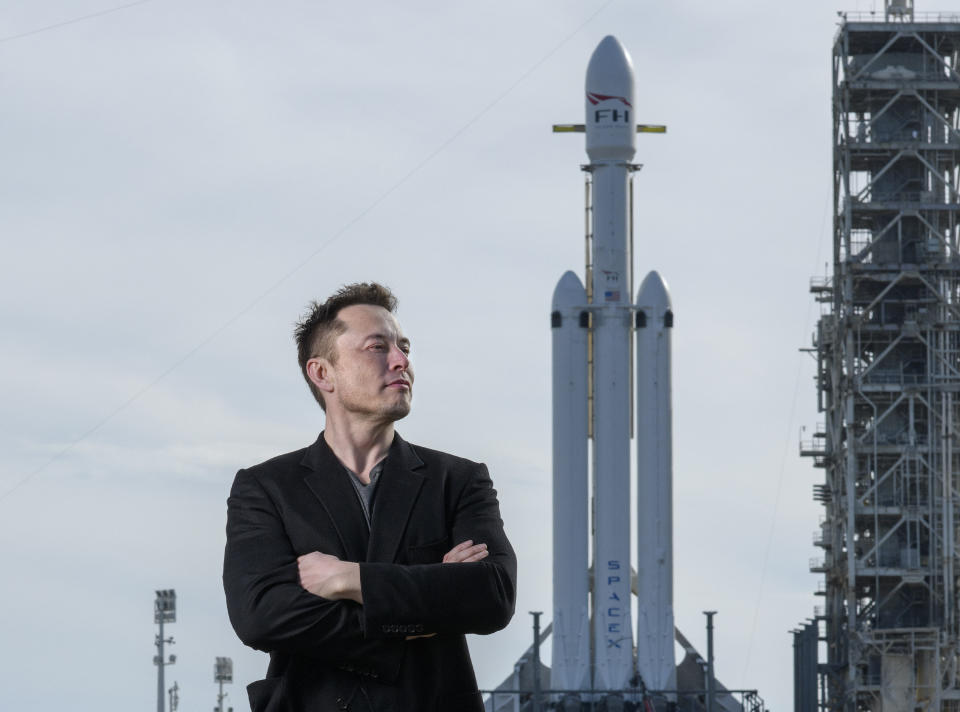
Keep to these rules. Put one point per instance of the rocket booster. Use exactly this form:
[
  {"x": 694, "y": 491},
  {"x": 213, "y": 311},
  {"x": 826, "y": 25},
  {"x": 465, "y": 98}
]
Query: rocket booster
[
  {"x": 570, "y": 667},
  {"x": 655, "y": 652}
]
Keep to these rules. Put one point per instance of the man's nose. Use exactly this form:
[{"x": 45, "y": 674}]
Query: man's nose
[{"x": 398, "y": 359}]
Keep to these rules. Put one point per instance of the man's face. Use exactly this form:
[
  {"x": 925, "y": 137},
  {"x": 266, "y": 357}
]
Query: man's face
[{"x": 372, "y": 377}]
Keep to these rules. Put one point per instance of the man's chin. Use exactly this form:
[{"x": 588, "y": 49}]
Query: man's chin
[{"x": 398, "y": 411}]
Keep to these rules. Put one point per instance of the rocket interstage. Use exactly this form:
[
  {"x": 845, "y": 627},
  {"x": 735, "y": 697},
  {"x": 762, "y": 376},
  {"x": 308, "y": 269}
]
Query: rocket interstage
[{"x": 592, "y": 349}]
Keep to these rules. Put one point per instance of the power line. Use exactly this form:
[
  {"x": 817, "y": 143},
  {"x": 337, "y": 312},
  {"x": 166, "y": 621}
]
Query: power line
[
  {"x": 783, "y": 465},
  {"x": 324, "y": 245},
  {"x": 74, "y": 21}
]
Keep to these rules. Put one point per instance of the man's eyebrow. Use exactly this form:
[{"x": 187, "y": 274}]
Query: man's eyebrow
[{"x": 385, "y": 337}]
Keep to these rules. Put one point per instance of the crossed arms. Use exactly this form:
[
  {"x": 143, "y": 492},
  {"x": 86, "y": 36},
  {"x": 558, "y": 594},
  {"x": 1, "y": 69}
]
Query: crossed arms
[{"x": 327, "y": 576}]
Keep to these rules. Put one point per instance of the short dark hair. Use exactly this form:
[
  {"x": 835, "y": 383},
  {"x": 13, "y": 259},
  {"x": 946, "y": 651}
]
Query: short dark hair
[{"x": 316, "y": 333}]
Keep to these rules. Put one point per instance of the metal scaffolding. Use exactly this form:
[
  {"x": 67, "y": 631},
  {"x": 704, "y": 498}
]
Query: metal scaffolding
[{"x": 888, "y": 370}]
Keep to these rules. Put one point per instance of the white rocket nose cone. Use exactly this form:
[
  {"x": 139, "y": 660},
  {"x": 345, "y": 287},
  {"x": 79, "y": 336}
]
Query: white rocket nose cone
[
  {"x": 569, "y": 291},
  {"x": 610, "y": 120},
  {"x": 653, "y": 293},
  {"x": 610, "y": 71}
]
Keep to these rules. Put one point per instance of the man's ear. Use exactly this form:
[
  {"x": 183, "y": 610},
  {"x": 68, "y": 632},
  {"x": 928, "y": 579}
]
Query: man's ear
[{"x": 320, "y": 374}]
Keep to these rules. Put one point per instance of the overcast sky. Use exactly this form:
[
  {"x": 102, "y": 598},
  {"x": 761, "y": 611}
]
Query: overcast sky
[{"x": 178, "y": 179}]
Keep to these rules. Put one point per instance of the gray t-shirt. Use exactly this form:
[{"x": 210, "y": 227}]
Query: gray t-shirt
[{"x": 366, "y": 493}]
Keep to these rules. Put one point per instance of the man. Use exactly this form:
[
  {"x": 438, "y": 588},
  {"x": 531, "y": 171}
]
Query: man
[{"x": 360, "y": 562}]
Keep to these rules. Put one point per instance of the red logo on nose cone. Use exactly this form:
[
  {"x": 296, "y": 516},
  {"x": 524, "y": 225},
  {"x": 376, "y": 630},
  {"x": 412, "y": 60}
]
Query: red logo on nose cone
[{"x": 595, "y": 98}]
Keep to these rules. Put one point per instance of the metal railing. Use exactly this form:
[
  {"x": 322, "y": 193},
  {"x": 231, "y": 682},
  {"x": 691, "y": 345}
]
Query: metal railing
[
  {"x": 814, "y": 447},
  {"x": 879, "y": 16},
  {"x": 905, "y": 137},
  {"x": 750, "y": 700},
  {"x": 882, "y": 376}
]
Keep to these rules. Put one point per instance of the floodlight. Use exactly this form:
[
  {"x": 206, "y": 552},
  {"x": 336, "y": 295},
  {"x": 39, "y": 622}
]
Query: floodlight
[
  {"x": 165, "y": 606},
  {"x": 223, "y": 670}
]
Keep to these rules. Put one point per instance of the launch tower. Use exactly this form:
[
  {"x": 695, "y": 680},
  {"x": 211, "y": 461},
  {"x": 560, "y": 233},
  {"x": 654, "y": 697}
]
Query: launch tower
[{"x": 888, "y": 370}]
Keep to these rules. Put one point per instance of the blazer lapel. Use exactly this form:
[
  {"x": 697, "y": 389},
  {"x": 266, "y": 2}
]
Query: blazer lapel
[
  {"x": 328, "y": 481},
  {"x": 397, "y": 492}
]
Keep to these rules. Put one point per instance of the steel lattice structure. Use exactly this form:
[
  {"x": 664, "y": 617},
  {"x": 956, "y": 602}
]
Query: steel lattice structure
[{"x": 888, "y": 376}]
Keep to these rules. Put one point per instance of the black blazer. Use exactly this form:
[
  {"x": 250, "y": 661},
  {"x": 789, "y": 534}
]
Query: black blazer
[{"x": 339, "y": 655}]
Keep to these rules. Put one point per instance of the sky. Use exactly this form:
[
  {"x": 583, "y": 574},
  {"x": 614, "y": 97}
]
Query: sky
[{"x": 179, "y": 179}]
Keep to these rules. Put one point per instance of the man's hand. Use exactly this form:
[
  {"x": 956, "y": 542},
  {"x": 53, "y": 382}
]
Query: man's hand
[
  {"x": 464, "y": 552},
  {"x": 328, "y": 577}
]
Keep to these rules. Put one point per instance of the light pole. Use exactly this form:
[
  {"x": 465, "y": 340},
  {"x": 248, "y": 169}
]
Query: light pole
[
  {"x": 536, "y": 659},
  {"x": 164, "y": 611},
  {"x": 222, "y": 672},
  {"x": 711, "y": 680}
]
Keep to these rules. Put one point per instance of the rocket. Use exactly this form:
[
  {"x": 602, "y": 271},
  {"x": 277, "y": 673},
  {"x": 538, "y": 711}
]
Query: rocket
[{"x": 593, "y": 326}]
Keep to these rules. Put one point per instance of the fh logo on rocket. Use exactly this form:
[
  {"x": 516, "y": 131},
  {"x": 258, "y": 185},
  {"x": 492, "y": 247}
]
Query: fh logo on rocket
[{"x": 615, "y": 115}]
